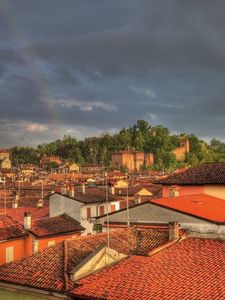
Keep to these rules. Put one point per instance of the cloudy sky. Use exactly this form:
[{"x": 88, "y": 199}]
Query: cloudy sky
[{"x": 82, "y": 67}]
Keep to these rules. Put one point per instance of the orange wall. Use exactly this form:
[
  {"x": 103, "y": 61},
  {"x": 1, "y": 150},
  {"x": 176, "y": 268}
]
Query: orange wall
[
  {"x": 19, "y": 249},
  {"x": 185, "y": 190},
  {"x": 43, "y": 243},
  {"x": 24, "y": 247}
]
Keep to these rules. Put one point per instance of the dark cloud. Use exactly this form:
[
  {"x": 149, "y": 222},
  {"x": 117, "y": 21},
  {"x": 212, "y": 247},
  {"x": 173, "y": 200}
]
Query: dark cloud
[{"x": 88, "y": 66}]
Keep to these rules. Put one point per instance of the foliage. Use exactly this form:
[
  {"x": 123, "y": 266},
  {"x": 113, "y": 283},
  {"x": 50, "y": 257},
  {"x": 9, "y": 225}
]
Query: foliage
[{"x": 141, "y": 136}]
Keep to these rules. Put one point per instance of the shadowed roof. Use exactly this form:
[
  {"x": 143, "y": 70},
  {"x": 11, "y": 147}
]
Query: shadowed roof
[
  {"x": 10, "y": 228},
  {"x": 208, "y": 173}
]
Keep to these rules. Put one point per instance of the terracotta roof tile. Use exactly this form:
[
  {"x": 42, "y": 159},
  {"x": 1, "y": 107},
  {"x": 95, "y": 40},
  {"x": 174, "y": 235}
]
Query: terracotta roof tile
[
  {"x": 191, "y": 269},
  {"x": 36, "y": 213},
  {"x": 55, "y": 225},
  {"x": 152, "y": 238},
  {"x": 209, "y": 173},
  {"x": 45, "y": 269},
  {"x": 10, "y": 228},
  {"x": 203, "y": 206}
]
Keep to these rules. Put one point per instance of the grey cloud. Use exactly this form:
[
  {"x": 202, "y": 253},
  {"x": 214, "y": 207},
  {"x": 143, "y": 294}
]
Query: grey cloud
[{"x": 89, "y": 53}]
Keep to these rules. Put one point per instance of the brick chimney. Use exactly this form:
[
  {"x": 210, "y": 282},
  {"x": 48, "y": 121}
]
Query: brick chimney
[
  {"x": 27, "y": 220},
  {"x": 173, "y": 230}
]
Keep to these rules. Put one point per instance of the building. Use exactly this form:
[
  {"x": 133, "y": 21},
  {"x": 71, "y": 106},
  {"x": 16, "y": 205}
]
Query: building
[
  {"x": 4, "y": 153},
  {"x": 82, "y": 207},
  {"x": 134, "y": 266},
  {"x": 5, "y": 163},
  {"x": 74, "y": 168},
  {"x": 47, "y": 160},
  {"x": 192, "y": 212},
  {"x": 91, "y": 168},
  {"x": 184, "y": 148},
  {"x": 208, "y": 178},
  {"x": 132, "y": 160},
  {"x": 49, "y": 231},
  {"x": 13, "y": 238},
  {"x": 18, "y": 240}
]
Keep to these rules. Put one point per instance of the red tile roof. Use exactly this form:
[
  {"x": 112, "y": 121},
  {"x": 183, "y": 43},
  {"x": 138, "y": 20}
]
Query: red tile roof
[
  {"x": 202, "y": 206},
  {"x": 36, "y": 213},
  {"x": 152, "y": 238},
  {"x": 63, "y": 224},
  {"x": 192, "y": 269},
  {"x": 209, "y": 173},
  {"x": 10, "y": 228},
  {"x": 89, "y": 198},
  {"x": 45, "y": 269}
]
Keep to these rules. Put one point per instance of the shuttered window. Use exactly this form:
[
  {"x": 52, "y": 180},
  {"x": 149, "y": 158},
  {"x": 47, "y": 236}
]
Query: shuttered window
[
  {"x": 88, "y": 212},
  {"x": 113, "y": 207},
  {"x": 101, "y": 210},
  {"x": 9, "y": 254}
]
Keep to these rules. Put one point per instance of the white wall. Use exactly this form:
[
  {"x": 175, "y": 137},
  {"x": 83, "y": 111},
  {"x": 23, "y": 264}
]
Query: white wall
[{"x": 60, "y": 204}]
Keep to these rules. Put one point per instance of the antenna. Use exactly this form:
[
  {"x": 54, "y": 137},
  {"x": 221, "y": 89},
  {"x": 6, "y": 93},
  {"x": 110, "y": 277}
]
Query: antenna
[
  {"x": 107, "y": 205},
  {"x": 42, "y": 191},
  {"x": 5, "y": 195},
  {"x": 128, "y": 212}
]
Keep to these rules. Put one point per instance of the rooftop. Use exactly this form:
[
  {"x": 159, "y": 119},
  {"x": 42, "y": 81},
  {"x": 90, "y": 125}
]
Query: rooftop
[
  {"x": 208, "y": 173},
  {"x": 190, "y": 269},
  {"x": 203, "y": 206},
  {"x": 89, "y": 198},
  {"x": 46, "y": 269},
  {"x": 55, "y": 225},
  {"x": 10, "y": 228}
]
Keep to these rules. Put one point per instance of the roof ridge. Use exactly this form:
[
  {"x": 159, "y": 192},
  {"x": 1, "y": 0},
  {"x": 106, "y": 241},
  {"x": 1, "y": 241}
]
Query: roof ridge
[{"x": 65, "y": 269}]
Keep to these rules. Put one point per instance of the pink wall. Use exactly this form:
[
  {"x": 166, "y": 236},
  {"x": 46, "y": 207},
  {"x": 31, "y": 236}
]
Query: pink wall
[{"x": 185, "y": 190}]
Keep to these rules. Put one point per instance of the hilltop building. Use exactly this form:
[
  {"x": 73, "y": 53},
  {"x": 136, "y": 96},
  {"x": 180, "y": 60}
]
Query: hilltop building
[
  {"x": 4, "y": 153},
  {"x": 132, "y": 160},
  {"x": 184, "y": 148},
  {"x": 46, "y": 160},
  {"x": 5, "y": 162}
]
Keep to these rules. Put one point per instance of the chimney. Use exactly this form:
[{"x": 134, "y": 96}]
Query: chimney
[
  {"x": 27, "y": 220},
  {"x": 83, "y": 188},
  {"x": 40, "y": 203},
  {"x": 112, "y": 189},
  {"x": 14, "y": 203},
  {"x": 174, "y": 191},
  {"x": 72, "y": 193},
  {"x": 173, "y": 230},
  {"x": 63, "y": 191}
]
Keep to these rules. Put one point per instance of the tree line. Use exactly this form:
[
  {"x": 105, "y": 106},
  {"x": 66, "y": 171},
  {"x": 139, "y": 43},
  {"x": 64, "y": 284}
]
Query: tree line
[{"x": 141, "y": 136}]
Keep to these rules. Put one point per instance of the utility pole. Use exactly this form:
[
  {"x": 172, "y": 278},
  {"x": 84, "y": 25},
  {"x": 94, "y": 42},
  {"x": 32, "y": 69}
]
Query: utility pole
[{"x": 5, "y": 195}]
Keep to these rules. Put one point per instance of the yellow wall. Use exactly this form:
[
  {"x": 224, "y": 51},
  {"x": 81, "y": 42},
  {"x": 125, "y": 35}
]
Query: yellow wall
[
  {"x": 144, "y": 192},
  {"x": 215, "y": 190},
  {"x": 120, "y": 184}
]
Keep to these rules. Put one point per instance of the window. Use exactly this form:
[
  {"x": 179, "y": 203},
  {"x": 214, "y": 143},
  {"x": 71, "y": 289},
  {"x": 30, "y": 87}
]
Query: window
[
  {"x": 9, "y": 254},
  {"x": 88, "y": 212},
  {"x": 101, "y": 210},
  {"x": 50, "y": 243},
  {"x": 113, "y": 207}
]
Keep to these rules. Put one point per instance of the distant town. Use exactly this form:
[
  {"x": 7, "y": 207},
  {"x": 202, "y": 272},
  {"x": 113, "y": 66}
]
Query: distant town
[{"x": 77, "y": 230}]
